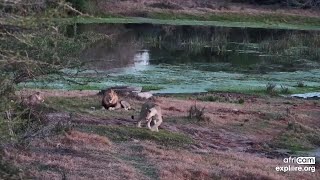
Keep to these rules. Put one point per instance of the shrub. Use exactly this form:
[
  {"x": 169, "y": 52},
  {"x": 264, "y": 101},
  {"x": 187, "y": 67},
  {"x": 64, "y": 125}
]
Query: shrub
[
  {"x": 284, "y": 89},
  {"x": 195, "y": 112},
  {"x": 271, "y": 88},
  {"x": 241, "y": 101},
  {"x": 300, "y": 84}
]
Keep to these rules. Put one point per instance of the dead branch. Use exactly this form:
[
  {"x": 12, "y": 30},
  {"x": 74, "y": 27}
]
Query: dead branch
[{"x": 67, "y": 6}]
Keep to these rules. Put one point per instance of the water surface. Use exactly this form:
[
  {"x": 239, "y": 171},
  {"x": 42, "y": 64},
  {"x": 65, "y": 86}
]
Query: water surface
[{"x": 180, "y": 59}]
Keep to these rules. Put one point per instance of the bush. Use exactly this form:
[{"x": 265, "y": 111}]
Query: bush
[
  {"x": 284, "y": 89},
  {"x": 271, "y": 88},
  {"x": 241, "y": 101},
  {"x": 300, "y": 84},
  {"x": 195, "y": 112}
]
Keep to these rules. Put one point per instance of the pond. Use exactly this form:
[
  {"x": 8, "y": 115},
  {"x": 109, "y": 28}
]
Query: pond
[{"x": 185, "y": 59}]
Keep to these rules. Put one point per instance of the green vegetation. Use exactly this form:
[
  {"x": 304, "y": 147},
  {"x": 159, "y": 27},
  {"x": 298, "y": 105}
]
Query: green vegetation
[
  {"x": 85, "y": 87},
  {"x": 209, "y": 98},
  {"x": 37, "y": 44},
  {"x": 241, "y": 101},
  {"x": 197, "y": 113},
  {"x": 305, "y": 89},
  {"x": 139, "y": 161},
  {"x": 216, "y": 98},
  {"x": 300, "y": 84},
  {"x": 271, "y": 89},
  {"x": 16, "y": 120},
  {"x": 295, "y": 45},
  {"x": 7, "y": 170},
  {"x": 182, "y": 120},
  {"x": 151, "y": 88},
  {"x": 284, "y": 90},
  {"x": 51, "y": 49},
  {"x": 314, "y": 24},
  {"x": 74, "y": 104},
  {"x": 267, "y": 91},
  {"x": 162, "y": 137},
  {"x": 293, "y": 143},
  {"x": 164, "y": 13},
  {"x": 33, "y": 49},
  {"x": 296, "y": 142},
  {"x": 266, "y": 19},
  {"x": 274, "y": 116},
  {"x": 298, "y": 137},
  {"x": 254, "y": 91}
]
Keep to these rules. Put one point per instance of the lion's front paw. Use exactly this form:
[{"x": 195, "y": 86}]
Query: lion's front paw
[{"x": 111, "y": 108}]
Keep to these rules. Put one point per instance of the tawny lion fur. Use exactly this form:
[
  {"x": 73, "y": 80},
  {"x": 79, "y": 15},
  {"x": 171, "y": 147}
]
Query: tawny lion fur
[
  {"x": 150, "y": 112},
  {"x": 111, "y": 101},
  {"x": 34, "y": 99}
]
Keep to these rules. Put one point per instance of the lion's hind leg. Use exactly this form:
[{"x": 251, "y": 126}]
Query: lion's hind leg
[
  {"x": 157, "y": 124},
  {"x": 125, "y": 105}
]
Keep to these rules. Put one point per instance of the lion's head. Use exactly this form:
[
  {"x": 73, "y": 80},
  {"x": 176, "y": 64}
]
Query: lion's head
[{"x": 111, "y": 97}]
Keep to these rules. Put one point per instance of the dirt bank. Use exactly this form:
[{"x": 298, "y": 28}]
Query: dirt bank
[{"x": 142, "y": 8}]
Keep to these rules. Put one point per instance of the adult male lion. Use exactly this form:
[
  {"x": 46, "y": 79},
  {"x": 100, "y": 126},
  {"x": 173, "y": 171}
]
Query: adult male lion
[{"x": 111, "y": 101}]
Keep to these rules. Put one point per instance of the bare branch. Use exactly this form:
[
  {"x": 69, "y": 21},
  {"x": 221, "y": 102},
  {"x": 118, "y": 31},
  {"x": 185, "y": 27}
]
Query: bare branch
[{"x": 70, "y": 8}]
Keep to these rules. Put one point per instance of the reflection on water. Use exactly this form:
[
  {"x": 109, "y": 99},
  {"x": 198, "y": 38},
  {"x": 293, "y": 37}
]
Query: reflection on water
[
  {"x": 243, "y": 50},
  {"x": 196, "y": 58},
  {"x": 141, "y": 59}
]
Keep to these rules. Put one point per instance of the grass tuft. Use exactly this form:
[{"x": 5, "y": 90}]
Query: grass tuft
[
  {"x": 284, "y": 90},
  {"x": 298, "y": 137},
  {"x": 271, "y": 89},
  {"x": 300, "y": 84}
]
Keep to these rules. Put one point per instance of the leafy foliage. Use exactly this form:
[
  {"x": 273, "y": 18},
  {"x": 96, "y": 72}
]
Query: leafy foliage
[{"x": 32, "y": 48}]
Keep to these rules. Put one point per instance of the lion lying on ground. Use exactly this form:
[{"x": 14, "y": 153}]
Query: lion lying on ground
[
  {"x": 110, "y": 101},
  {"x": 33, "y": 100}
]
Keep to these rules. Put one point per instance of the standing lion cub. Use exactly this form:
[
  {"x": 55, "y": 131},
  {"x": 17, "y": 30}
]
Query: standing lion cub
[{"x": 151, "y": 112}]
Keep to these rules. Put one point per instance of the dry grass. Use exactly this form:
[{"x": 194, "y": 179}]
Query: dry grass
[
  {"x": 218, "y": 150},
  {"x": 89, "y": 141},
  {"x": 142, "y": 7},
  {"x": 180, "y": 164},
  {"x": 73, "y": 156}
]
